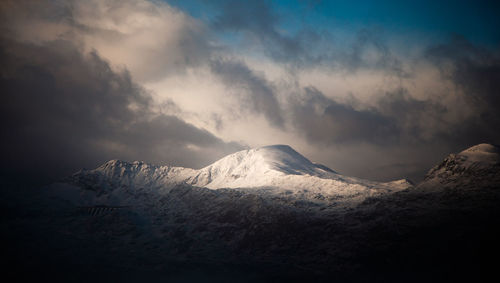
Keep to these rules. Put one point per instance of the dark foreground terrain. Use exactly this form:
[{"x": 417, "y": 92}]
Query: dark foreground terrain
[{"x": 409, "y": 237}]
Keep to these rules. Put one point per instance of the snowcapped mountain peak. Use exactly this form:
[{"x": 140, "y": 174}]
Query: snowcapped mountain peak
[
  {"x": 476, "y": 164},
  {"x": 248, "y": 168},
  {"x": 285, "y": 159},
  {"x": 281, "y": 158},
  {"x": 481, "y": 153},
  {"x": 482, "y": 147}
]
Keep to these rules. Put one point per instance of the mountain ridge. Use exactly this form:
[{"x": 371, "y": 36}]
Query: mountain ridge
[
  {"x": 273, "y": 166},
  {"x": 150, "y": 218},
  {"x": 279, "y": 167}
]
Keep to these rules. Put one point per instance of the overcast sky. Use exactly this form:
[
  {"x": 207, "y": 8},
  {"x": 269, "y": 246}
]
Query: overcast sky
[{"x": 379, "y": 91}]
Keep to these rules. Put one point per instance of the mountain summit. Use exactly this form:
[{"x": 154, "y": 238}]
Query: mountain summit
[
  {"x": 281, "y": 158},
  {"x": 247, "y": 168},
  {"x": 481, "y": 154},
  {"x": 479, "y": 164}
]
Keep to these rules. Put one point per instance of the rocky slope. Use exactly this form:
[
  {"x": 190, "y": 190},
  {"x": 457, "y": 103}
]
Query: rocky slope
[{"x": 477, "y": 166}]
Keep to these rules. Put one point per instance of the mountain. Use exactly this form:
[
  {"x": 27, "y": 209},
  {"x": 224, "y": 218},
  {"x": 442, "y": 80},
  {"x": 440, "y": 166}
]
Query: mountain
[
  {"x": 258, "y": 167},
  {"x": 278, "y": 166},
  {"x": 477, "y": 166},
  {"x": 276, "y": 170},
  {"x": 264, "y": 214}
]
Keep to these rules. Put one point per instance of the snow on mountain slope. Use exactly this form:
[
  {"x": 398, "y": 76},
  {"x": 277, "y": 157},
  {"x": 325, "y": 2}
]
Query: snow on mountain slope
[
  {"x": 258, "y": 167},
  {"x": 481, "y": 155},
  {"x": 477, "y": 166},
  {"x": 278, "y": 170},
  {"x": 116, "y": 173}
]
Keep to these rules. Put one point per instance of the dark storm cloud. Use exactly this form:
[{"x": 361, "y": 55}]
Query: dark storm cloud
[
  {"x": 416, "y": 119},
  {"x": 396, "y": 117},
  {"x": 325, "y": 121},
  {"x": 474, "y": 70},
  {"x": 62, "y": 110},
  {"x": 255, "y": 92}
]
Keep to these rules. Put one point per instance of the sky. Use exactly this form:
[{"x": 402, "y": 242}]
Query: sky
[{"x": 380, "y": 90}]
